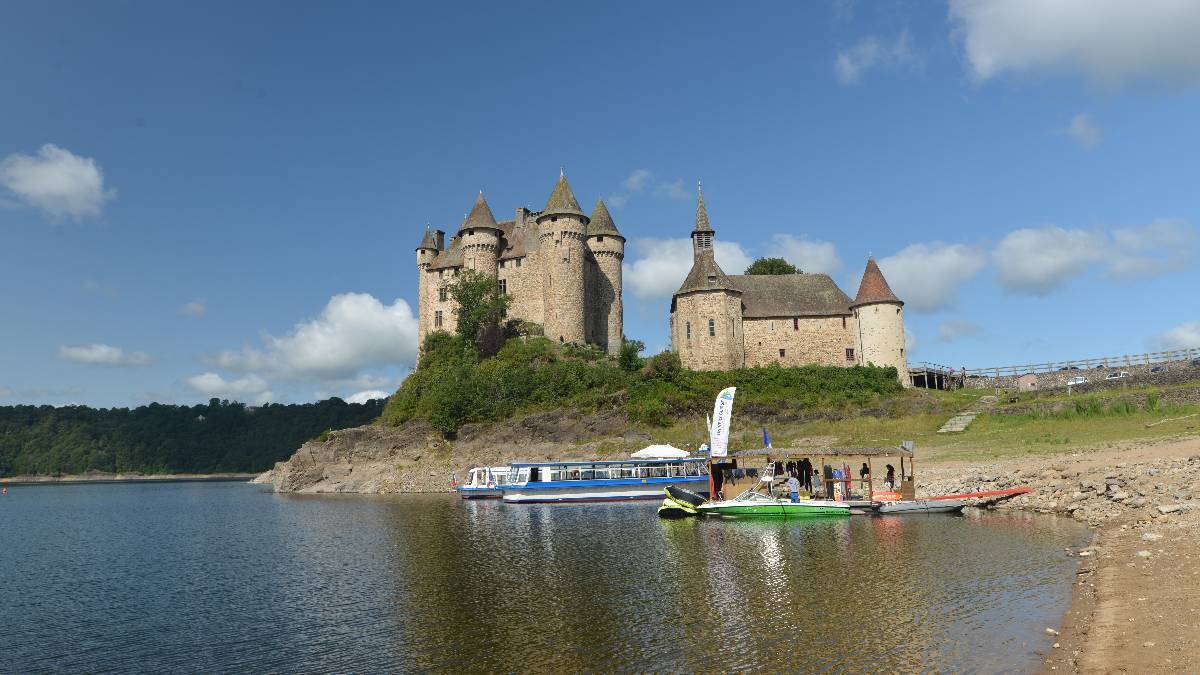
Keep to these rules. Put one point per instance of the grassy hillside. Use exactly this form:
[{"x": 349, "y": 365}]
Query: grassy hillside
[{"x": 452, "y": 386}]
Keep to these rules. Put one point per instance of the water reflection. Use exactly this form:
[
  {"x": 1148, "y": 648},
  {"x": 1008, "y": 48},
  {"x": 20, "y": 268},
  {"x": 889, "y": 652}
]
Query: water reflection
[{"x": 233, "y": 578}]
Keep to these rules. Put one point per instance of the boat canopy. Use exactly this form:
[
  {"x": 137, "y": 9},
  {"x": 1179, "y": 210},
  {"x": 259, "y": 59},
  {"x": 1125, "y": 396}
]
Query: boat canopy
[
  {"x": 607, "y": 462},
  {"x": 660, "y": 452}
]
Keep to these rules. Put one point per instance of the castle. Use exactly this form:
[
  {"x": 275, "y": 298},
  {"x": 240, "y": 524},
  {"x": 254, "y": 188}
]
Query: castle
[
  {"x": 563, "y": 271},
  {"x": 561, "y": 267},
  {"x": 721, "y": 321}
]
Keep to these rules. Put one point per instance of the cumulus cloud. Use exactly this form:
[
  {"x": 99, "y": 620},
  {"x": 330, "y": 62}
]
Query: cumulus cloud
[
  {"x": 1084, "y": 131},
  {"x": 1110, "y": 42},
  {"x": 251, "y": 387},
  {"x": 871, "y": 52},
  {"x": 949, "y": 331},
  {"x": 367, "y": 395},
  {"x": 643, "y": 181},
  {"x": 56, "y": 181},
  {"x": 927, "y": 276},
  {"x": 102, "y": 354},
  {"x": 809, "y": 256},
  {"x": 661, "y": 265},
  {"x": 1184, "y": 336},
  {"x": 910, "y": 341},
  {"x": 354, "y": 332},
  {"x": 1036, "y": 261},
  {"x": 194, "y": 308}
]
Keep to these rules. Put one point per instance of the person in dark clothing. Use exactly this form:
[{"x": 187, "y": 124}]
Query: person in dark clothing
[
  {"x": 890, "y": 478},
  {"x": 828, "y": 480}
]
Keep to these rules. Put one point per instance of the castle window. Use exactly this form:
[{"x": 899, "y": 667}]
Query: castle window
[
  {"x": 437, "y": 319},
  {"x": 599, "y": 237},
  {"x": 518, "y": 262},
  {"x": 782, "y": 353},
  {"x": 554, "y": 219},
  {"x": 501, "y": 264},
  {"x": 503, "y": 286},
  {"x": 442, "y": 293},
  {"x": 689, "y": 329},
  {"x": 897, "y": 310},
  {"x": 843, "y": 322},
  {"x": 771, "y": 324},
  {"x": 712, "y": 328},
  {"x": 712, "y": 278},
  {"x": 795, "y": 324},
  {"x": 849, "y": 353},
  {"x": 902, "y": 351}
]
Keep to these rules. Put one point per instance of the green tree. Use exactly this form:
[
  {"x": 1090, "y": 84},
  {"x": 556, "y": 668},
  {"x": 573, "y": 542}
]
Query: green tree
[
  {"x": 628, "y": 359},
  {"x": 772, "y": 266},
  {"x": 481, "y": 308}
]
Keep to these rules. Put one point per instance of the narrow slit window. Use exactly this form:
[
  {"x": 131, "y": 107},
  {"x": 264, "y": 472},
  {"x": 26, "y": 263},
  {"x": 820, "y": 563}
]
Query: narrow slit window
[{"x": 712, "y": 328}]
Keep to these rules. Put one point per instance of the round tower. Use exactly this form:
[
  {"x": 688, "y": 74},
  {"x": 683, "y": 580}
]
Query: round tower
[
  {"x": 880, "y": 317},
  {"x": 606, "y": 309},
  {"x": 562, "y": 251},
  {"x": 427, "y": 251},
  {"x": 479, "y": 237}
]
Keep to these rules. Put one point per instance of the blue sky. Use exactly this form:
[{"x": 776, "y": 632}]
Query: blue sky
[{"x": 223, "y": 199}]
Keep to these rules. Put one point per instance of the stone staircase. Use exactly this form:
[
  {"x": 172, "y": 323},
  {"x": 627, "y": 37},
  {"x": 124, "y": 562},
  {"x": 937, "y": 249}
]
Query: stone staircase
[{"x": 962, "y": 420}]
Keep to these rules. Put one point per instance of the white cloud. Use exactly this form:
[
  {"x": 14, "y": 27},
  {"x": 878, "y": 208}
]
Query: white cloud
[
  {"x": 637, "y": 180},
  {"x": 1084, "y": 131},
  {"x": 250, "y": 387},
  {"x": 871, "y": 52},
  {"x": 1184, "y": 336},
  {"x": 927, "y": 276},
  {"x": 56, "y": 181},
  {"x": 661, "y": 265},
  {"x": 354, "y": 332},
  {"x": 910, "y": 341},
  {"x": 950, "y": 331},
  {"x": 642, "y": 181},
  {"x": 194, "y": 308},
  {"x": 809, "y": 256},
  {"x": 367, "y": 395},
  {"x": 102, "y": 354},
  {"x": 1110, "y": 42},
  {"x": 1038, "y": 261},
  {"x": 672, "y": 190}
]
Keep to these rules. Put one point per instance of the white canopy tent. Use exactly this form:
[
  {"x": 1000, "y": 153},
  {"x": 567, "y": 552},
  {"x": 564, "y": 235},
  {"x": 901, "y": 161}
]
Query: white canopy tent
[{"x": 660, "y": 452}]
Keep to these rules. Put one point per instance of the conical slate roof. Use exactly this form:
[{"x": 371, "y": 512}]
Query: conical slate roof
[
  {"x": 562, "y": 200},
  {"x": 601, "y": 221},
  {"x": 480, "y": 216},
  {"x": 706, "y": 275},
  {"x": 428, "y": 241},
  {"x": 701, "y": 213},
  {"x": 874, "y": 288}
]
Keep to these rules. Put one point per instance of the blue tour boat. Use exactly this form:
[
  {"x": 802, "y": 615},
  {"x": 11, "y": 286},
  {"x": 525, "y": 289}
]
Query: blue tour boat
[{"x": 597, "y": 481}]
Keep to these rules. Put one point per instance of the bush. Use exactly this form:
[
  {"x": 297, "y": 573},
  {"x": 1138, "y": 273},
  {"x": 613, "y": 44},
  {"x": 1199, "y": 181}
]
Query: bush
[
  {"x": 452, "y": 386},
  {"x": 628, "y": 358}
]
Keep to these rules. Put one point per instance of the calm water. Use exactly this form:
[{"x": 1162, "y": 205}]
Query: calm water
[{"x": 228, "y": 577}]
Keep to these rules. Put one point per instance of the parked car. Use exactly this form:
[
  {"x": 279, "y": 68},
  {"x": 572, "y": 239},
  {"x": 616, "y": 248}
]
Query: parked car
[
  {"x": 1117, "y": 376},
  {"x": 1076, "y": 381},
  {"x": 1160, "y": 369},
  {"x": 1070, "y": 368}
]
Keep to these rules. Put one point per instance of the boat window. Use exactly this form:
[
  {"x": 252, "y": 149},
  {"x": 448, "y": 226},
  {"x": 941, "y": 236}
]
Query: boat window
[
  {"x": 660, "y": 471},
  {"x": 601, "y": 474}
]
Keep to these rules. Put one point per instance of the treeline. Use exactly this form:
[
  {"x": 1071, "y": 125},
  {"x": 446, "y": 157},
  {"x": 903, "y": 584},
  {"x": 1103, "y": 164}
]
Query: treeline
[
  {"x": 454, "y": 385},
  {"x": 222, "y": 436}
]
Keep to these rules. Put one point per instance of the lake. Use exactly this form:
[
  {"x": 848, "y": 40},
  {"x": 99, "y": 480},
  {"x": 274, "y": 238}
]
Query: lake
[{"x": 209, "y": 577}]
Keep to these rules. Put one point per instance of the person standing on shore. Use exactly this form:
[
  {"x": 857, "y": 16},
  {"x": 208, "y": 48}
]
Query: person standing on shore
[{"x": 793, "y": 484}]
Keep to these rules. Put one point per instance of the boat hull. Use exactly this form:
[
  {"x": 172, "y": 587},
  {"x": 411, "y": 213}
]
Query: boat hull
[
  {"x": 922, "y": 506},
  {"x": 480, "y": 492},
  {"x": 779, "y": 509},
  {"x": 598, "y": 491}
]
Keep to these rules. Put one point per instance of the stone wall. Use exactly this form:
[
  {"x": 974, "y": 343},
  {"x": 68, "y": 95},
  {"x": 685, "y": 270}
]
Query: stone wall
[
  {"x": 523, "y": 281},
  {"x": 804, "y": 340},
  {"x": 605, "y": 307},
  {"x": 702, "y": 351},
  {"x": 881, "y": 337}
]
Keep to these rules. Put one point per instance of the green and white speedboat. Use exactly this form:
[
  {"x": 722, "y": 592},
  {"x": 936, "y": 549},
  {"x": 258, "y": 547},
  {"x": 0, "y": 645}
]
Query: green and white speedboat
[{"x": 758, "y": 505}]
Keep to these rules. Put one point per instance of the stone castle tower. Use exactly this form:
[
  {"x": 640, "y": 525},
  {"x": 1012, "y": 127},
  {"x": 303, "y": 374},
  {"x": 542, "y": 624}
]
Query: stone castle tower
[
  {"x": 561, "y": 267},
  {"x": 721, "y": 321}
]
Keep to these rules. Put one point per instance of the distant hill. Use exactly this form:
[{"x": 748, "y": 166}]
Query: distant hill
[{"x": 222, "y": 436}]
